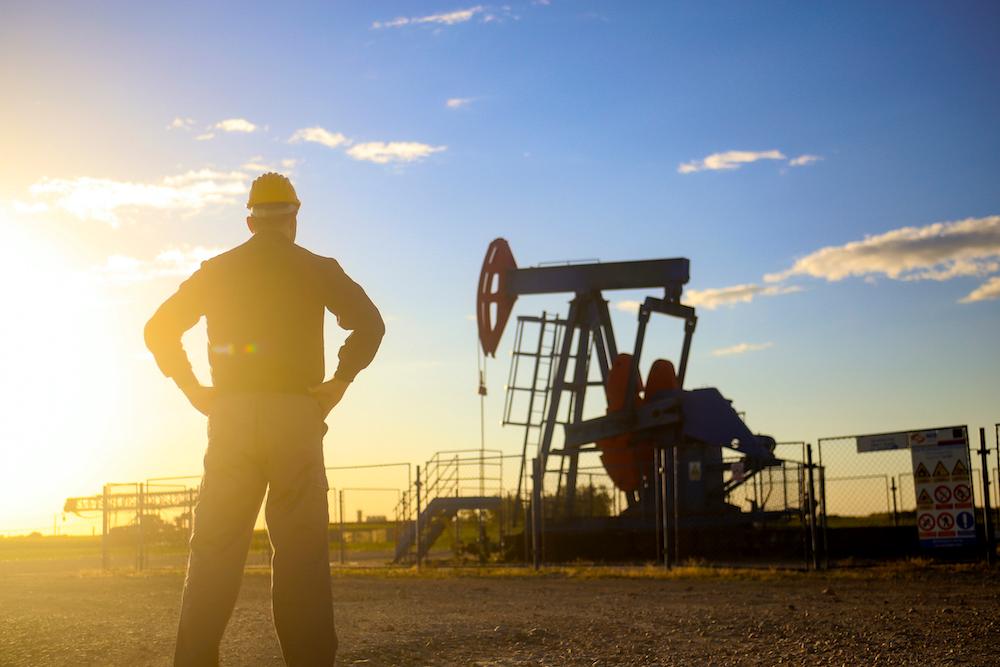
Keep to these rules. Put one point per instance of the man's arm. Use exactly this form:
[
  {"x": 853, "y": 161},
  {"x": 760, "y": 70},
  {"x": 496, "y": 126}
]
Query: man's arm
[
  {"x": 355, "y": 312},
  {"x": 163, "y": 338}
]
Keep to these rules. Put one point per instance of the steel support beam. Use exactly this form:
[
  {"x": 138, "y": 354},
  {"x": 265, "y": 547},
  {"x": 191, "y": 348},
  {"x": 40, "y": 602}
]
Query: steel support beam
[{"x": 670, "y": 274}]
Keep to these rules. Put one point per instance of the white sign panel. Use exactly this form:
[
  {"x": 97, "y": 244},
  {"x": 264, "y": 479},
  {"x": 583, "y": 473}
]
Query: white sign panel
[
  {"x": 881, "y": 442},
  {"x": 943, "y": 486}
]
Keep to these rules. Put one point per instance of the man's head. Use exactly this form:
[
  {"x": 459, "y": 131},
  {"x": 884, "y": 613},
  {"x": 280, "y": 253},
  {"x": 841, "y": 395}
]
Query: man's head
[{"x": 273, "y": 205}]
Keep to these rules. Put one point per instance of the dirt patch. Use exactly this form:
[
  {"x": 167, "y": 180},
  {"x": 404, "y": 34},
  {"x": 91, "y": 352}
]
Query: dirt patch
[{"x": 927, "y": 616}]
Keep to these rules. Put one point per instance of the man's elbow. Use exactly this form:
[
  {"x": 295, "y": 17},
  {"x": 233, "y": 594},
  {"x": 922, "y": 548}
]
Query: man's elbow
[
  {"x": 378, "y": 327},
  {"x": 152, "y": 335}
]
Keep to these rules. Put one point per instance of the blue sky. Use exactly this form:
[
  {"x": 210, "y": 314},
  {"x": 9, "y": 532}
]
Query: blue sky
[{"x": 747, "y": 137}]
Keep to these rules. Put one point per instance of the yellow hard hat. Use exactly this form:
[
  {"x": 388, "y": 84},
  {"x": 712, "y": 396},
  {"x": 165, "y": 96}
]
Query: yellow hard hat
[{"x": 272, "y": 188}]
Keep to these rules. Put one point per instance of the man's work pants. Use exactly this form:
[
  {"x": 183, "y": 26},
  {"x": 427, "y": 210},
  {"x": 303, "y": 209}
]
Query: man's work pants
[{"x": 259, "y": 442}]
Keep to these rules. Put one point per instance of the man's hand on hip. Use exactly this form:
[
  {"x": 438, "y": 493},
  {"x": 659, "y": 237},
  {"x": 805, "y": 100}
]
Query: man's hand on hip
[
  {"x": 202, "y": 398},
  {"x": 328, "y": 394}
]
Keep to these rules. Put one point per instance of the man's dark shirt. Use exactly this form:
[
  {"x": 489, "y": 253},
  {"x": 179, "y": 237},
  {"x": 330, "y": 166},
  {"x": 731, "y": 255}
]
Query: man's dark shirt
[{"x": 264, "y": 302}]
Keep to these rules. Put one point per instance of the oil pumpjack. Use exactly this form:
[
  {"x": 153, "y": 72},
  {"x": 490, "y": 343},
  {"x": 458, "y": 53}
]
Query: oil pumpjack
[{"x": 661, "y": 445}]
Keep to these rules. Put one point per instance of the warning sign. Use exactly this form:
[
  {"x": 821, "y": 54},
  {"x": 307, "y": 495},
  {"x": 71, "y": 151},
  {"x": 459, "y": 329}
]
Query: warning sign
[
  {"x": 963, "y": 494},
  {"x": 943, "y": 489},
  {"x": 694, "y": 471}
]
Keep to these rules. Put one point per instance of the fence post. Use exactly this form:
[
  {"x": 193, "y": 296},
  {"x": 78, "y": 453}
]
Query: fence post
[
  {"x": 140, "y": 555},
  {"x": 812, "y": 508},
  {"x": 536, "y": 513},
  {"x": 987, "y": 513},
  {"x": 675, "y": 499},
  {"x": 190, "y": 504},
  {"x": 804, "y": 509},
  {"x": 664, "y": 488},
  {"x": 823, "y": 534},
  {"x": 343, "y": 535},
  {"x": 105, "y": 530},
  {"x": 527, "y": 525},
  {"x": 659, "y": 508},
  {"x": 895, "y": 508},
  {"x": 416, "y": 524}
]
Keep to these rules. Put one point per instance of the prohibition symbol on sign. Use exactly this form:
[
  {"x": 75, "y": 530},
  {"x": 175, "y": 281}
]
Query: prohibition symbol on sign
[
  {"x": 965, "y": 520},
  {"x": 945, "y": 521},
  {"x": 942, "y": 494},
  {"x": 926, "y": 522},
  {"x": 962, "y": 493}
]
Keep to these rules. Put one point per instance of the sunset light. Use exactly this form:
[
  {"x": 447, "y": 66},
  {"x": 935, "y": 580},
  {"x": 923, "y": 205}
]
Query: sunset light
[{"x": 657, "y": 317}]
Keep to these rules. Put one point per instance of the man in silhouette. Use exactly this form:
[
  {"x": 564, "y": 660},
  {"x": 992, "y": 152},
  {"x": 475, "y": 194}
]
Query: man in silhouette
[{"x": 264, "y": 303}]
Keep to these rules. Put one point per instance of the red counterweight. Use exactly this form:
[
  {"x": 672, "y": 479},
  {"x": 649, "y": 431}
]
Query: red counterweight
[
  {"x": 494, "y": 302},
  {"x": 625, "y": 462}
]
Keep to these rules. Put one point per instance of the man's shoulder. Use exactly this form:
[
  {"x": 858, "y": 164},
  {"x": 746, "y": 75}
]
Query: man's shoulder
[
  {"x": 247, "y": 254},
  {"x": 315, "y": 258},
  {"x": 225, "y": 257}
]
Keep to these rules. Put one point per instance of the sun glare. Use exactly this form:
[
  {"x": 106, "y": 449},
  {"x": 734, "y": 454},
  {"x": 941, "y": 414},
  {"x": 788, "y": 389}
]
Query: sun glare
[{"x": 59, "y": 385}]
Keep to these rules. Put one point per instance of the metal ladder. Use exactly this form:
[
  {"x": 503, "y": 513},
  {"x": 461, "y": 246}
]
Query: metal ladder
[{"x": 538, "y": 352}]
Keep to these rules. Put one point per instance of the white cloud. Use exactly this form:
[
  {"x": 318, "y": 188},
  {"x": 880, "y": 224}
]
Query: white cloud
[
  {"x": 236, "y": 125},
  {"x": 381, "y": 152},
  {"x": 740, "y": 348},
  {"x": 458, "y": 102},
  {"x": 179, "y": 123},
  {"x": 803, "y": 160},
  {"x": 256, "y": 163},
  {"x": 29, "y": 208},
  {"x": 445, "y": 18},
  {"x": 205, "y": 136},
  {"x": 627, "y": 306},
  {"x": 712, "y": 298},
  {"x": 988, "y": 291},
  {"x": 728, "y": 160},
  {"x": 103, "y": 199},
  {"x": 173, "y": 262},
  {"x": 319, "y": 135},
  {"x": 939, "y": 251}
]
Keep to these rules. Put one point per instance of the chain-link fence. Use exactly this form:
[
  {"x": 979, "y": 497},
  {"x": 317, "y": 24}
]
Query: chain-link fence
[
  {"x": 876, "y": 488},
  {"x": 870, "y": 497},
  {"x": 859, "y": 499},
  {"x": 860, "y": 489},
  {"x": 701, "y": 508}
]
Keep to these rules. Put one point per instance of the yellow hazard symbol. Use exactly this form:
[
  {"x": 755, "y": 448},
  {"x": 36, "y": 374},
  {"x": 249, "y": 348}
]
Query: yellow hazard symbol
[
  {"x": 960, "y": 471},
  {"x": 940, "y": 471},
  {"x": 922, "y": 473},
  {"x": 924, "y": 499}
]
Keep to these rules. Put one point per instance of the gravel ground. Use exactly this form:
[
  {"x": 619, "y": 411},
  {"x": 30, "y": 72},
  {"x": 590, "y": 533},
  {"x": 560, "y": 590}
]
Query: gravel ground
[{"x": 924, "y": 615}]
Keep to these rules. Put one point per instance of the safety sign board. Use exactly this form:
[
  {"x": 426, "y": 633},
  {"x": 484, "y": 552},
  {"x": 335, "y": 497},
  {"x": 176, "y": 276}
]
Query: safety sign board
[
  {"x": 906, "y": 439},
  {"x": 943, "y": 486}
]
